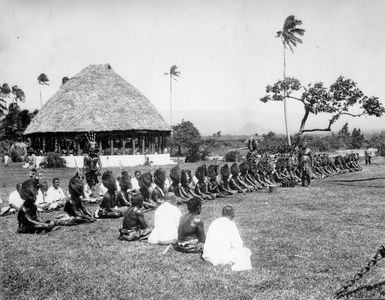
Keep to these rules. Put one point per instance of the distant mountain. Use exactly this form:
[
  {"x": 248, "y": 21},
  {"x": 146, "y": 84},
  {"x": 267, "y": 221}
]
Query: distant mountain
[
  {"x": 235, "y": 122},
  {"x": 248, "y": 121}
]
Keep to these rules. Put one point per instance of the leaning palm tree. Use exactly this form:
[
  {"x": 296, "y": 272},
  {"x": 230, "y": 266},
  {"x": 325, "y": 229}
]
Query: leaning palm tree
[
  {"x": 43, "y": 80},
  {"x": 289, "y": 37},
  {"x": 174, "y": 72}
]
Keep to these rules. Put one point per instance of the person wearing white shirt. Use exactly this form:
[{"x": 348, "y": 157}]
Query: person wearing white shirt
[
  {"x": 135, "y": 182},
  {"x": 224, "y": 244},
  {"x": 166, "y": 221},
  {"x": 14, "y": 199},
  {"x": 14, "y": 202},
  {"x": 55, "y": 195}
]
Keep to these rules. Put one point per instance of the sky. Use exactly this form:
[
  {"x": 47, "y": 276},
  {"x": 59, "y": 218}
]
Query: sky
[{"x": 226, "y": 51}]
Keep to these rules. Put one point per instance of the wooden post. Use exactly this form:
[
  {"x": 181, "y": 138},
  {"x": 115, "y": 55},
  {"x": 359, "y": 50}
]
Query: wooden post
[
  {"x": 78, "y": 146},
  {"x": 124, "y": 146},
  {"x": 112, "y": 146},
  {"x": 133, "y": 145},
  {"x": 143, "y": 144},
  {"x": 100, "y": 146}
]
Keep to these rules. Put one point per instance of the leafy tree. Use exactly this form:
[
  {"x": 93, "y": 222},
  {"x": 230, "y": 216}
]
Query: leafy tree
[
  {"x": 15, "y": 122},
  {"x": 289, "y": 37},
  {"x": 357, "y": 138},
  {"x": 185, "y": 135},
  {"x": 341, "y": 98},
  {"x": 6, "y": 93}
]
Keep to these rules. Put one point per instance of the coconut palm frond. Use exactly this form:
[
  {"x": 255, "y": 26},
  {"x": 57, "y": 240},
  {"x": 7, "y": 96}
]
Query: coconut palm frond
[
  {"x": 5, "y": 89},
  {"x": 43, "y": 79},
  {"x": 298, "y": 31},
  {"x": 174, "y": 71},
  {"x": 19, "y": 93},
  {"x": 64, "y": 80}
]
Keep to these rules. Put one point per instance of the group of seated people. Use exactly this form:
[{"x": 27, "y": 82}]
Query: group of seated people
[
  {"x": 47, "y": 198},
  {"x": 285, "y": 170},
  {"x": 222, "y": 244}
]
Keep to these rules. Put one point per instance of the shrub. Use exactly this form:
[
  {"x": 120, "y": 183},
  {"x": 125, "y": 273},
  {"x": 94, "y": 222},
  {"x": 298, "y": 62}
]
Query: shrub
[
  {"x": 381, "y": 149},
  {"x": 53, "y": 160},
  {"x": 4, "y": 147},
  {"x": 232, "y": 156}
]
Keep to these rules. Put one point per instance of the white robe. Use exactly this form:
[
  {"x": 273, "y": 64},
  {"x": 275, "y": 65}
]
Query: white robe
[
  {"x": 224, "y": 245},
  {"x": 166, "y": 221}
]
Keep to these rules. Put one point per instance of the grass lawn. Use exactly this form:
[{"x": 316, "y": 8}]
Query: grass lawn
[{"x": 306, "y": 242}]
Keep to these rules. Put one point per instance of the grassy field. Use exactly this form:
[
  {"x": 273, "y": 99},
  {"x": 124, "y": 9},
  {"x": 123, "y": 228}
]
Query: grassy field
[{"x": 306, "y": 242}]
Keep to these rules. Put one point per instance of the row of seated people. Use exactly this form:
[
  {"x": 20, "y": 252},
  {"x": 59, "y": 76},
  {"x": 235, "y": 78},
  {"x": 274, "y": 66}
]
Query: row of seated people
[
  {"x": 286, "y": 171},
  {"x": 222, "y": 245},
  {"x": 48, "y": 198}
]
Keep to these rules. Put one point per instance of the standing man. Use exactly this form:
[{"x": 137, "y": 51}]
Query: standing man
[
  {"x": 305, "y": 159},
  {"x": 368, "y": 156},
  {"x": 191, "y": 234},
  {"x": 92, "y": 165}
]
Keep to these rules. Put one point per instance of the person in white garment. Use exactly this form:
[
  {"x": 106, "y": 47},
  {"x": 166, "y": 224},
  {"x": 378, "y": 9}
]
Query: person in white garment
[
  {"x": 224, "y": 244},
  {"x": 14, "y": 202},
  {"x": 55, "y": 195},
  {"x": 166, "y": 221}
]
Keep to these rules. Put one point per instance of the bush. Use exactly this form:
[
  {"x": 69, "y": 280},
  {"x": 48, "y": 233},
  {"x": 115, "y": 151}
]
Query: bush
[
  {"x": 381, "y": 149},
  {"x": 53, "y": 160},
  {"x": 4, "y": 147},
  {"x": 197, "y": 152},
  {"x": 232, "y": 156}
]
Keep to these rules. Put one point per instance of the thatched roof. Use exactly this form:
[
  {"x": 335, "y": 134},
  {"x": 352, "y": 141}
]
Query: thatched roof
[{"x": 97, "y": 99}]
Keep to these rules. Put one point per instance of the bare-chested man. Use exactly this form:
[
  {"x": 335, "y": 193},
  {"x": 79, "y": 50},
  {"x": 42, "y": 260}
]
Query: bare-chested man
[
  {"x": 134, "y": 224},
  {"x": 92, "y": 166},
  {"x": 305, "y": 159},
  {"x": 191, "y": 234}
]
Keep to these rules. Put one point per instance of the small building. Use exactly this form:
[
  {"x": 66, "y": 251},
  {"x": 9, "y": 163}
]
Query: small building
[{"x": 98, "y": 101}]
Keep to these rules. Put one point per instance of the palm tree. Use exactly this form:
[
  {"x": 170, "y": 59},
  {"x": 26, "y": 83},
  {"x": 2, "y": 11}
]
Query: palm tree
[
  {"x": 43, "y": 80},
  {"x": 289, "y": 37},
  {"x": 174, "y": 72}
]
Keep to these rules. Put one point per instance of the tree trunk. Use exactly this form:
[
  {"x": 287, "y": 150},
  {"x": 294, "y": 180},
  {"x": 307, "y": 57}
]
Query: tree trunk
[
  {"x": 304, "y": 119},
  {"x": 284, "y": 97}
]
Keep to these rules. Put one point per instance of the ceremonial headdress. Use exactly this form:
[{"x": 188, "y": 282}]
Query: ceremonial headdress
[
  {"x": 145, "y": 180},
  {"x": 109, "y": 180},
  {"x": 225, "y": 171},
  {"x": 175, "y": 174},
  {"x": 75, "y": 185},
  {"x": 212, "y": 171},
  {"x": 200, "y": 173},
  {"x": 125, "y": 180},
  {"x": 29, "y": 189},
  {"x": 234, "y": 169},
  {"x": 160, "y": 177}
]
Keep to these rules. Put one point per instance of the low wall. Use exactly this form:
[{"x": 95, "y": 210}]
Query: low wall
[{"x": 118, "y": 160}]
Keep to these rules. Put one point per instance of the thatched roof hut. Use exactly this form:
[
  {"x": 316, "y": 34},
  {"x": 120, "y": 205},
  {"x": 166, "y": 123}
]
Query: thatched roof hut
[{"x": 98, "y": 100}]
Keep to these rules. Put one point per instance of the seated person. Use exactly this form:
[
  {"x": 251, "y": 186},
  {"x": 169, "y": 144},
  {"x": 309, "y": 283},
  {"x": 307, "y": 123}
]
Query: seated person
[
  {"x": 108, "y": 207},
  {"x": 175, "y": 185},
  {"x": 42, "y": 198},
  {"x": 146, "y": 186},
  {"x": 159, "y": 180},
  {"x": 55, "y": 195},
  {"x": 213, "y": 183},
  {"x": 224, "y": 244},
  {"x": 166, "y": 221},
  {"x": 201, "y": 186},
  {"x": 14, "y": 202},
  {"x": 123, "y": 197},
  {"x": 134, "y": 224},
  {"x": 135, "y": 182},
  {"x": 191, "y": 234},
  {"x": 27, "y": 214},
  {"x": 186, "y": 188},
  {"x": 76, "y": 212}
]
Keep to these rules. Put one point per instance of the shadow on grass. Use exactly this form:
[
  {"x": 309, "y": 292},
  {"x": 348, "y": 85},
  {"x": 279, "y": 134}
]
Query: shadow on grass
[
  {"x": 355, "y": 180},
  {"x": 375, "y": 289}
]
